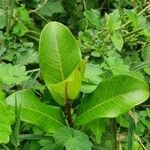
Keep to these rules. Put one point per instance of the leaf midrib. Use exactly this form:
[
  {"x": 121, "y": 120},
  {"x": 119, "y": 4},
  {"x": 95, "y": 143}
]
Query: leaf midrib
[
  {"x": 99, "y": 105},
  {"x": 59, "y": 57},
  {"x": 42, "y": 114}
]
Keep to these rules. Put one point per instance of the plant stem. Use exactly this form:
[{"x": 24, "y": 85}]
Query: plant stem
[
  {"x": 33, "y": 70},
  {"x": 39, "y": 7},
  {"x": 68, "y": 108},
  {"x": 17, "y": 125},
  {"x": 32, "y": 37},
  {"x": 84, "y": 5},
  {"x": 113, "y": 133},
  {"x": 34, "y": 32},
  {"x": 141, "y": 12},
  {"x": 133, "y": 32},
  {"x": 10, "y": 8},
  {"x": 5, "y": 147},
  {"x": 140, "y": 66},
  {"x": 33, "y": 137},
  {"x": 130, "y": 133}
]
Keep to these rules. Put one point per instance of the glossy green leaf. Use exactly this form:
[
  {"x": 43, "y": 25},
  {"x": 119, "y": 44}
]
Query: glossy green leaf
[
  {"x": 60, "y": 58},
  {"x": 112, "y": 97},
  {"x": 48, "y": 118},
  {"x": 6, "y": 119},
  {"x": 70, "y": 85},
  {"x": 72, "y": 139},
  {"x": 59, "y": 53}
]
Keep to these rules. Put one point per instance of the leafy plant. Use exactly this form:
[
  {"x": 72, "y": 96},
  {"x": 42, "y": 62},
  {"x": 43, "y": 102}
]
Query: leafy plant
[
  {"x": 85, "y": 88},
  {"x": 62, "y": 70}
]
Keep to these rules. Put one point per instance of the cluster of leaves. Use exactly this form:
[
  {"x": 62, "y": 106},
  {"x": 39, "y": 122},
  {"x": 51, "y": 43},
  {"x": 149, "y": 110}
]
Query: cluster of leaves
[
  {"x": 114, "y": 39},
  {"x": 118, "y": 43}
]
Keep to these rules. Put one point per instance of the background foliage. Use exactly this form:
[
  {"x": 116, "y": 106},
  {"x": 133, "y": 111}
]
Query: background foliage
[{"x": 114, "y": 37}]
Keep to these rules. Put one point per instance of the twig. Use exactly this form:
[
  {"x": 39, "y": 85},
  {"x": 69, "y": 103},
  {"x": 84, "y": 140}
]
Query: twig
[
  {"x": 68, "y": 107},
  {"x": 41, "y": 16},
  {"x": 102, "y": 5},
  {"x": 141, "y": 12},
  {"x": 130, "y": 132},
  {"x": 34, "y": 32},
  {"x": 84, "y": 5},
  {"x": 39, "y": 7},
  {"x": 33, "y": 137},
  {"x": 32, "y": 37},
  {"x": 33, "y": 70},
  {"x": 145, "y": 106},
  {"x": 140, "y": 142},
  {"x": 17, "y": 124},
  {"x": 133, "y": 32},
  {"x": 148, "y": 16},
  {"x": 140, "y": 66},
  {"x": 5, "y": 147},
  {"x": 9, "y": 14},
  {"x": 114, "y": 134}
]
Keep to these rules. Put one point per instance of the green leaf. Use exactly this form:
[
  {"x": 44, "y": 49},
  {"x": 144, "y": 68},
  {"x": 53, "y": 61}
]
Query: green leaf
[
  {"x": 2, "y": 96},
  {"x": 50, "y": 8},
  {"x": 123, "y": 121},
  {"x": 146, "y": 54},
  {"x": 94, "y": 17},
  {"x": 48, "y": 144},
  {"x": 72, "y": 85},
  {"x": 59, "y": 53},
  {"x": 113, "y": 21},
  {"x": 97, "y": 127},
  {"x": 138, "y": 21},
  {"x": 6, "y": 119},
  {"x": 46, "y": 117},
  {"x": 117, "y": 65},
  {"x": 147, "y": 70},
  {"x": 23, "y": 16},
  {"x": 117, "y": 40},
  {"x": 2, "y": 18},
  {"x": 91, "y": 78},
  {"x": 10, "y": 74},
  {"x": 134, "y": 18},
  {"x": 72, "y": 139},
  {"x": 23, "y": 22},
  {"x": 20, "y": 29},
  {"x": 59, "y": 57},
  {"x": 27, "y": 57},
  {"x": 114, "y": 96}
]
